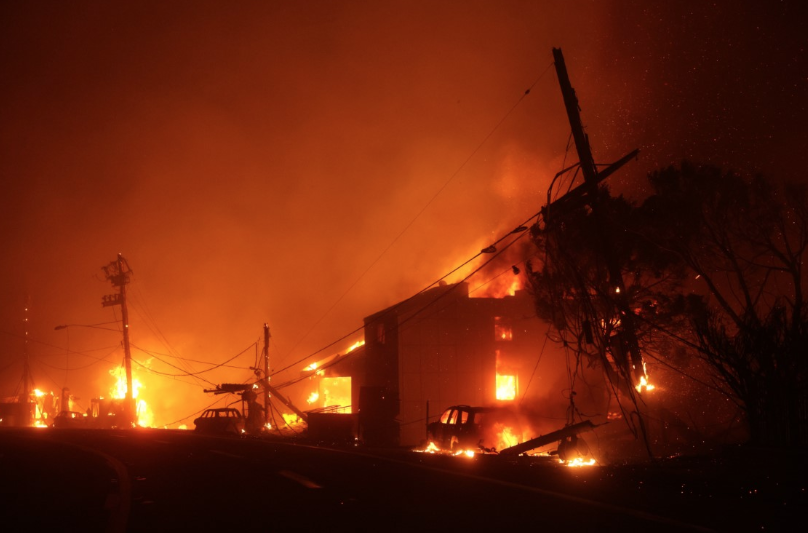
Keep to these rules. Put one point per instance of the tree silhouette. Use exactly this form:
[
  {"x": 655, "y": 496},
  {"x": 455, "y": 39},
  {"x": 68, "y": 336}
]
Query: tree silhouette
[
  {"x": 712, "y": 263},
  {"x": 745, "y": 240}
]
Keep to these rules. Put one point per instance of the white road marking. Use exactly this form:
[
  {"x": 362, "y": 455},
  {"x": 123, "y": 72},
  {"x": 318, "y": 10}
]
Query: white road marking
[{"x": 294, "y": 476}]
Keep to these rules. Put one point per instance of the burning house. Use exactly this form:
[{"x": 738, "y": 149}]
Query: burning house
[{"x": 443, "y": 348}]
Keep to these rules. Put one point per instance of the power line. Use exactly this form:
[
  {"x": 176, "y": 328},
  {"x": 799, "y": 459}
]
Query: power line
[
  {"x": 421, "y": 212},
  {"x": 188, "y": 374},
  {"x": 215, "y": 365},
  {"x": 173, "y": 366},
  {"x": 518, "y": 229}
]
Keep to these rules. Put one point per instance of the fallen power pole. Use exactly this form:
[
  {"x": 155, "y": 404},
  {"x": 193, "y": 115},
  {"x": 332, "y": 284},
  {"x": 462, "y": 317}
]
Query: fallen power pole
[{"x": 543, "y": 440}]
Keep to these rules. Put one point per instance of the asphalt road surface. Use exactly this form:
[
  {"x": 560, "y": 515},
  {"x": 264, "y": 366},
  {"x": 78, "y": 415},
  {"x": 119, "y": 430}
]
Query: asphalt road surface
[{"x": 153, "y": 480}]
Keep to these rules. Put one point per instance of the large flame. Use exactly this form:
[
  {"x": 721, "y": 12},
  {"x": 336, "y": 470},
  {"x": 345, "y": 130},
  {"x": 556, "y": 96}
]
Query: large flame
[
  {"x": 506, "y": 387},
  {"x": 500, "y": 287},
  {"x": 506, "y": 436},
  {"x": 337, "y": 393},
  {"x": 144, "y": 415}
]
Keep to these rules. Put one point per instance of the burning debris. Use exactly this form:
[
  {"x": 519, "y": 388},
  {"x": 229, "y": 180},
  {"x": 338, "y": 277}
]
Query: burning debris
[{"x": 465, "y": 430}]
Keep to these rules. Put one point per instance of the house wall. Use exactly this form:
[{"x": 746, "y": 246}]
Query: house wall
[{"x": 440, "y": 349}]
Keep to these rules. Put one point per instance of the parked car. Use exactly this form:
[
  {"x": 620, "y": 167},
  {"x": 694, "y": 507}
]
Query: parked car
[
  {"x": 463, "y": 427},
  {"x": 220, "y": 421}
]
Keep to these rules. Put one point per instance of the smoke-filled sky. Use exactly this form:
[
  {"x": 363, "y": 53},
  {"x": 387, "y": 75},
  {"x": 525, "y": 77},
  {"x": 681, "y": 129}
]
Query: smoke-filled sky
[{"x": 306, "y": 164}]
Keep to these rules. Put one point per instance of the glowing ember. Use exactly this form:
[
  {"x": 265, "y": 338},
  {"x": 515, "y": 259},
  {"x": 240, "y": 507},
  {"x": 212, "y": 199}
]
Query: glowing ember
[
  {"x": 644, "y": 385},
  {"x": 311, "y": 367},
  {"x": 313, "y": 397},
  {"x": 506, "y": 387},
  {"x": 433, "y": 448},
  {"x": 502, "y": 331},
  {"x": 579, "y": 461},
  {"x": 465, "y": 453}
]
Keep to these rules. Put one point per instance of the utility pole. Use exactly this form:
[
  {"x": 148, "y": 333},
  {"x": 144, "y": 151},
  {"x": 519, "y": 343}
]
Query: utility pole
[
  {"x": 587, "y": 194},
  {"x": 25, "y": 397},
  {"x": 266, "y": 373},
  {"x": 119, "y": 277}
]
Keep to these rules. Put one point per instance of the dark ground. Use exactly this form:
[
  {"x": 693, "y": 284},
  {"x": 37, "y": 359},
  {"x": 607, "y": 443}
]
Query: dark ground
[
  {"x": 736, "y": 489},
  {"x": 164, "y": 480}
]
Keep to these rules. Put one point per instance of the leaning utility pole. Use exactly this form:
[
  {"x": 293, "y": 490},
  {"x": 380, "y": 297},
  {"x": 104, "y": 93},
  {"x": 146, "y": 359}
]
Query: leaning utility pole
[
  {"x": 266, "y": 373},
  {"x": 587, "y": 194},
  {"x": 627, "y": 352},
  {"x": 119, "y": 277}
]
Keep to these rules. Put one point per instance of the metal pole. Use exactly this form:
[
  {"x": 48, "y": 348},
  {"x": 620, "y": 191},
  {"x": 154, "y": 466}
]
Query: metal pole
[{"x": 266, "y": 373}]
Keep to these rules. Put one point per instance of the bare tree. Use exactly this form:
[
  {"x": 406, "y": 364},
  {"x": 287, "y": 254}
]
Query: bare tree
[
  {"x": 712, "y": 262},
  {"x": 744, "y": 239}
]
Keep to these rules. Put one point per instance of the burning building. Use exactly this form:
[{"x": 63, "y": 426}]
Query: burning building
[{"x": 442, "y": 348}]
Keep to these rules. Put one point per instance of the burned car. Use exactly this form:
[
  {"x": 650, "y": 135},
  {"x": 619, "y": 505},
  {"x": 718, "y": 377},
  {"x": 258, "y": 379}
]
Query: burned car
[
  {"x": 463, "y": 427},
  {"x": 501, "y": 430},
  {"x": 223, "y": 421}
]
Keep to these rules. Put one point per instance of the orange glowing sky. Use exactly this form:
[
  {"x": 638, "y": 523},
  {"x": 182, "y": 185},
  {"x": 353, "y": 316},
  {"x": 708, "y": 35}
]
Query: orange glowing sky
[{"x": 308, "y": 164}]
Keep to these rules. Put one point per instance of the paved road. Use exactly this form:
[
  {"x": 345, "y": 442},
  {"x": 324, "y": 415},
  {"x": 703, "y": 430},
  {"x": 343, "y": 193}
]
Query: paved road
[{"x": 163, "y": 480}]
